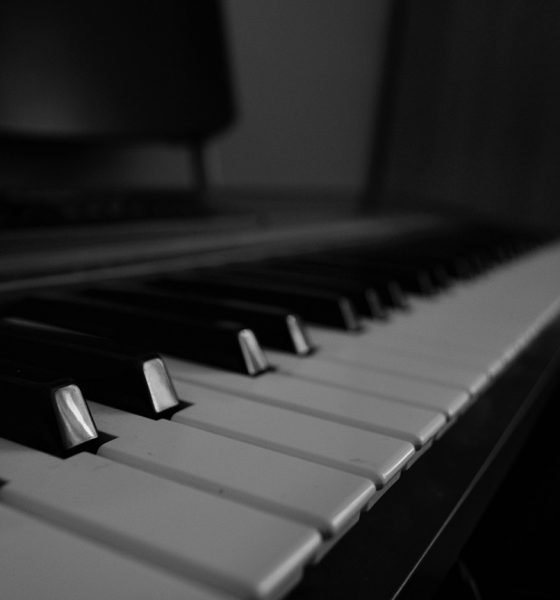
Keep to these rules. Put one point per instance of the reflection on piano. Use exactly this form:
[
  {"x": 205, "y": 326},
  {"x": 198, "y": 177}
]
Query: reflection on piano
[{"x": 211, "y": 409}]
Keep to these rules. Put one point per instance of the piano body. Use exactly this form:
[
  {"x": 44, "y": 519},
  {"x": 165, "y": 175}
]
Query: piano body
[{"x": 204, "y": 401}]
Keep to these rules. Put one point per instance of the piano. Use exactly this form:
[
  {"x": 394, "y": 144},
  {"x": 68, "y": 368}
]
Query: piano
[{"x": 207, "y": 403}]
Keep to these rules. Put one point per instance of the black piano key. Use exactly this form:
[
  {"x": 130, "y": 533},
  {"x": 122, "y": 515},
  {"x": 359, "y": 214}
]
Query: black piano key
[
  {"x": 457, "y": 260},
  {"x": 221, "y": 344},
  {"x": 414, "y": 280},
  {"x": 276, "y": 328},
  {"x": 438, "y": 275},
  {"x": 389, "y": 292},
  {"x": 456, "y": 265},
  {"x": 444, "y": 257},
  {"x": 364, "y": 298},
  {"x": 404, "y": 263},
  {"x": 132, "y": 380},
  {"x": 324, "y": 308},
  {"x": 43, "y": 411},
  {"x": 472, "y": 250}
]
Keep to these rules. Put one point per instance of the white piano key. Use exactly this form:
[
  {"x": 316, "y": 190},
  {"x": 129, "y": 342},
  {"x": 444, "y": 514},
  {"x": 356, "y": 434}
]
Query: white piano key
[
  {"x": 193, "y": 534},
  {"x": 412, "y": 366},
  {"x": 424, "y": 351},
  {"x": 496, "y": 358},
  {"x": 377, "y": 457},
  {"x": 45, "y": 562},
  {"x": 488, "y": 328},
  {"x": 439, "y": 397},
  {"x": 499, "y": 313},
  {"x": 414, "y": 424},
  {"x": 352, "y": 347},
  {"x": 327, "y": 499},
  {"x": 489, "y": 341}
]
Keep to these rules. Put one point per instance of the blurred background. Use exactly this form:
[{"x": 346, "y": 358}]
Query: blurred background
[{"x": 375, "y": 103}]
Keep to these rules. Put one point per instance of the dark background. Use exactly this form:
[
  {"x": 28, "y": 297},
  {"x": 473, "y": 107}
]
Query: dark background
[
  {"x": 461, "y": 112},
  {"x": 477, "y": 122}
]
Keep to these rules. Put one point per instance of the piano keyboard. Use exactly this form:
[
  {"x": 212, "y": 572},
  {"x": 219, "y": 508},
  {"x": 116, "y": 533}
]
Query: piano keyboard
[{"x": 234, "y": 468}]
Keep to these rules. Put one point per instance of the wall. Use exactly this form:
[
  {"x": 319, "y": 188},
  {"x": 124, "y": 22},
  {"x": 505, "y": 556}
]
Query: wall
[
  {"x": 477, "y": 123},
  {"x": 307, "y": 74}
]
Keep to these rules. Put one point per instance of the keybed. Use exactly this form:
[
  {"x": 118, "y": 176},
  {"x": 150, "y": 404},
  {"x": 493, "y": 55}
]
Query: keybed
[{"x": 266, "y": 451}]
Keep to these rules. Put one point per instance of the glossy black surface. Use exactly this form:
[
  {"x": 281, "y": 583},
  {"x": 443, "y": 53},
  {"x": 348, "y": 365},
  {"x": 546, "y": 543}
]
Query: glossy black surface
[
  {"x": 105, "y": 371},
  {"x": 316, "y": 306},
  {"x": 210, "y": 342},
  {"x": 44, "y": 410},
  {"x": 271, "y": 325},
  {"x": 364, "y": 298},
  {"x": 390, "y": 293}
]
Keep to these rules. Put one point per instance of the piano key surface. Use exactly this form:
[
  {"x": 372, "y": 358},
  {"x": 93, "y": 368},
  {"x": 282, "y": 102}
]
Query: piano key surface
[
  {"x": 237, "y": 412},
  {"x": 223, "y": 544},
  {"x": 378, "y": 457},
  {"x": 327, "y": 499},
  {"x": 415, "y": 424},
  {"x": 40, "y": 560},
  {"x": 399, "y": 387}
]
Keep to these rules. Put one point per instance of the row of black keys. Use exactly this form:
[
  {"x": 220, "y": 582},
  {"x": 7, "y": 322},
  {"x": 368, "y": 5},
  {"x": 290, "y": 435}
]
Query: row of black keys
[{"x": 92, "y": 335}]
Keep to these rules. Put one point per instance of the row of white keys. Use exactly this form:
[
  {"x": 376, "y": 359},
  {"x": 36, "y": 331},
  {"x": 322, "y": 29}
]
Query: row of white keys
[
  {"x": 159, "y": 447},
  {"x": 364, "y": 348},
  {"x": 42, "y": 561},
  {"x": 401, "y": 387},
  {"x": 473, "y": 320},
  {"x": 327, "y": 499},
  {"x": 192, "y": 534},
  {"x": 499, "y": 343},
  {"x": 376, "y": 348},
  {"x": 479, "y": 326},
  {"x": 354, "y": 348},
  {"x": 415, "y": 424},
  {"x": 465, "y": 371},
  {"x": 495, "y": 316},
  {"x": 371, "y": 455},
  {"x": 421, "y": 368}
]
